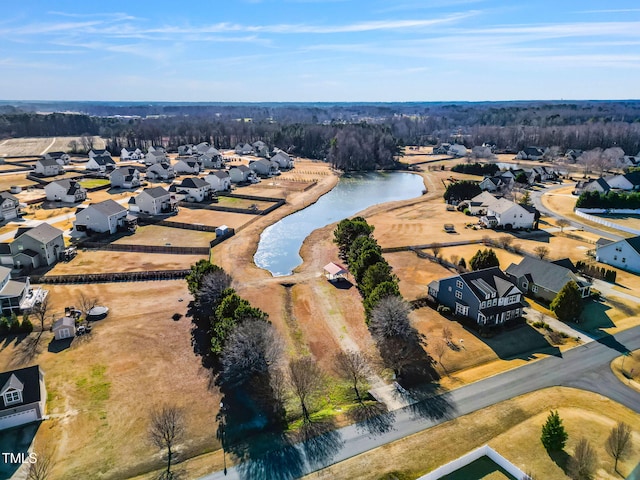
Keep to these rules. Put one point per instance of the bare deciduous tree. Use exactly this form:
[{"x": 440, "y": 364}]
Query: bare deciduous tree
[
  {"x": 454, "y": 259},
  {"x": 584, "y": 463},
  {"x": 618, "y": 443},
  {"x": 41, "y": 468},
  {"x": 251, "y": 349},
  {"x": 447, "y": 334},
  {"x": 435, "y": 248},
  {"x": 166, "y": 429},
  {"x": 305, "y": 379},
  {"x": 439, "y": 348},
  {"x": 542, "y": 252},
  {"x": 505, "y": 241},
  {"x": 42, "y": 311},
  {"x": 390, "y": 318},
  {"x": 354, "y": 367},
  {"x": 86, "y": 302},
  {"x": 563, "y": 223}
]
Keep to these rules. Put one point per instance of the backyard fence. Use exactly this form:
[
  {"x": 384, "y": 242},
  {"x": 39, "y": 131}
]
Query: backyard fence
[
  {"x": 123, "y": 247},
  {"x": 142, "y": 276},
  {"x": 584, "y": 213},
  {"x": 146, "y": 220}
]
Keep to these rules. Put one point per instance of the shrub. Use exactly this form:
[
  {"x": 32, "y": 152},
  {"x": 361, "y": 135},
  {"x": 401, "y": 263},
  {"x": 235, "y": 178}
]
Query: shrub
[
  {"x": 467, "y": 212},
  {"x": 27, "y": 326},
  {"x": 14, "y": 324},
  {"x": 443, "y": 310},
  {"x": 4, "y": 326},
  {"x": 556, "y": 337}
]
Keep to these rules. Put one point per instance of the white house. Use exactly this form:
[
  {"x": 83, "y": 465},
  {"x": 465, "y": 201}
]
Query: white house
[
  {"x": 48, "y": 167},
  {"x": 23, "y": 397},
  {"x": 508, "y": 215},
  {"x": 9, "y": 206},
  {"x": 219, "y": 180},
  {"x": 187, "y": 165},
  {"x": 240, "y": 174},
  {"x": 530, "y": 153},
  {"x": 16, "y": 295},
  {"x": 153, "y": 201},
  {"x": 100, "y": 163},
  {"x": 104, "y": 217},
  {"x": 628, "y": 181},
  {"x": 68, "y": 191},
  {"x": 211, "y": 160},
  {"x": 623, "y": 254},
  {"x": 153, "y": 156},
  {"x": 205, "y": 149},
  {"x": 131, "y": 155},
  {"x": 479, "y": 204},
  {"x": 156, "y": 149},
  {"x": 60, "y": 157},
  {"x": 160, "y": 171},
  {"x": 194, "y": 189},
  {"x": 283, "y": 160},
  {"x": 94, "y": 152},
  {"x": 264, "y": 167},
  {"x": 125, "y": 177},
  {"x": 244, "y": 149},
  {"x": 457, "y": 150}
]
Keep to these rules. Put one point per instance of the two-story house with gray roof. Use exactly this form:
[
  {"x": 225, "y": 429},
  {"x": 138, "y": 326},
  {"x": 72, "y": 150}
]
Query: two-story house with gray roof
[
  {"x": 125, "y": 177},
  {"x": 194, "y": 189},
  {"x": 539, "y": 278},
  {"x": 33, "y": 247},
  {"x": 488, "y": 296},
  {"x": 22, "y": 397},
  {"x": 48, "y": 167},
  {"x": 623, "y": 254},
  {"x": 153, "y": 201},
  {"x": 9, "y": 206},
  {"x": 103, "y": 217},
  {"x": 68, "y": 191}
]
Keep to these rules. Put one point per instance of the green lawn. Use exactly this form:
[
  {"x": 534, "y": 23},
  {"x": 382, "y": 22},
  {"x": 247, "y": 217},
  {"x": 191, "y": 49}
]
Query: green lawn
[{"x": 94, "y": 182}]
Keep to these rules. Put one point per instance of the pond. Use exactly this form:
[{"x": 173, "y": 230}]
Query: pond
[{"x": 279, "y": 247}]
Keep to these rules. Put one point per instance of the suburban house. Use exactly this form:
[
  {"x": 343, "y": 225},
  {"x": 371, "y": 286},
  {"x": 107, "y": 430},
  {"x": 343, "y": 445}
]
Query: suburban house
[
  {"x": 154, "y": 156},
  {"x": 94, "y": 152},
  {"x": 194, "y": 189},
  {"x": 186, "y": 150},
  {"x": 457, "y": 150},
  {"x": 14, "y": 295},
  {"x": 244, "y": 149},
  {"x": 598, "y": 185},
  {"x": 153, "y": 201},
  {"x": 125, "y": 177},
  {"x": 508, "y": 215},
  {"x": 131, "y": 155},
  {"x": 544, "y": 174},
  {"x": 103, "y": 217},
  {"x": 219, "y": 180},
  {"x": 628, "y": 181},
  {"x": 283, "y": 160},
  {"x": 264, "y": 167},
  {"x": 530, "y": 153},
  {"x": 494, "y": 184},
  {"x": 240, "y": 174},
  {"x": 486, "y": 296},
  {"x": 68, "y": 191},
  {"x": 22, "y": 397},
  {"x": 156, "y": 149},
  {"x": 205, "y": 148},
  {"x": 573, "y": 154},
  {"x": 539, "y": 278},
  {"x": 64, "y": 327},
  {"x": 187, "y": 165},
  {"x": 48, "y": 167},
  {"x": 623, "y": 254},
  {"x": 479, "y": 204},
  {"x": 211, "y": 160},
  {"x": 160, "y": 171},
  {"x": 260, "y": 149},
  {"x": 60, "y": 157},
  {"x": 100, "y": 163},
  {"x": 442, "y": 149},
  {"x": 33, "y": 247},
  {"x": 9, "y": 206}
]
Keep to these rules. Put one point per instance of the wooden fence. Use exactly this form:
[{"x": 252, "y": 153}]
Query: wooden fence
[
  {"x": 149, "y": 220},
  {"x": 168, "y": 249}
]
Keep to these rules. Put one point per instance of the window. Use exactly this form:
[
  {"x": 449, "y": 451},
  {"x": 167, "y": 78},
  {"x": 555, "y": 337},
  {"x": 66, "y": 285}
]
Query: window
[
  {"x": 483, "y": 304},
  {"x": 459, "y": 284},
  {"x": 534, "y": 288},
  {"x": 624, "y": 260},
  {"x": 12, "y": 397},
  {"x": 615, "y": 257},
  {"x": 458, "y": 294}
]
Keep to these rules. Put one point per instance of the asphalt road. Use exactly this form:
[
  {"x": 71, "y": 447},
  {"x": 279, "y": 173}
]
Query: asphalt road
[
  {"x": 537, "y": 202},
  {"x": 585, "y": 367}
]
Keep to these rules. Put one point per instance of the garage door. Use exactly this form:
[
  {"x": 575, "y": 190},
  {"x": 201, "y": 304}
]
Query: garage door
[{"x": 18, "y": 419}]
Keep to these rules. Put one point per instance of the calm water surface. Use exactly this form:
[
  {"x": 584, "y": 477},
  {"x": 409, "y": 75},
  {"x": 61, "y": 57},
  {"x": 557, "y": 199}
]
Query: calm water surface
[{"x": 278, "y": 250}]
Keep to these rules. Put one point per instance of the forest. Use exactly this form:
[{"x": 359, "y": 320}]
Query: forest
[{"x": 350, "y": 135}]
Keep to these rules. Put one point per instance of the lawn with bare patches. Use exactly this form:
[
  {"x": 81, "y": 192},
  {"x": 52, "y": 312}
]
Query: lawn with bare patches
[{"x": 169, "y": 236}]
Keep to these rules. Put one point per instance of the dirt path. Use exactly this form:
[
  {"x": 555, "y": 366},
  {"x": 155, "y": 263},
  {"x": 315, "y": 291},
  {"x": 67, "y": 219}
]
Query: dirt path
[{"x": 53, "y": 140}]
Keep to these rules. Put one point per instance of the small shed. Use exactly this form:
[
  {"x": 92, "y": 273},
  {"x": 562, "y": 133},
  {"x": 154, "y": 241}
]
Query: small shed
[
  {"x": 64, "y": 327},
  {"x": 222, "y": 230},
  {"x": 335, "y": 272}
]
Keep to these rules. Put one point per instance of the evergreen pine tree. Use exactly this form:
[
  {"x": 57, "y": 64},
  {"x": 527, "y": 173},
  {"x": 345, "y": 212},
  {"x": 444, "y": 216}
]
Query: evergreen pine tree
[
  {"x": 554, "y": 436},
  {"x": 567, "y": 305}
]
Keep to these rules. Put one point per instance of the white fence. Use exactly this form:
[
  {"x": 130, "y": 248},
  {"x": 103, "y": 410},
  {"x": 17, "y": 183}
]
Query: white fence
[
  {"x": 484, "y": 451},
  {"x": 584, "y": 213}
]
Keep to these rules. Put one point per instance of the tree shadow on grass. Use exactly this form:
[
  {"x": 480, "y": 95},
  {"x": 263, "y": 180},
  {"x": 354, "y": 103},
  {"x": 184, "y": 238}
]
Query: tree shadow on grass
[
  {"x": 27, "y": 351},
  {"x": 57, "y": 346},
  {"x": 373, "y": 418},
  {"x": 200, "y": 338},
  {"x": 11, "y": 338},
  {"x": 561, "y": 459}
]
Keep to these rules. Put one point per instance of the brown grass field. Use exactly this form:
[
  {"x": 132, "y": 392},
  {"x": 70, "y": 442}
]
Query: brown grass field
[
  {"x": 628, "y": 371},
  {"x": 160, "y": 235},
  {"x": 40, "y": 145},
  {"x": 512, "y": 428},
  {"x": 7, "y": 181}
]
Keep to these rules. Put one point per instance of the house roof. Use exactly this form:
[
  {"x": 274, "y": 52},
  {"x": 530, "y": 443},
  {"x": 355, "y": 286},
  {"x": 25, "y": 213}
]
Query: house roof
[
  {"x": 98, "y": 151},
  {"x": 70, "y": 186},
  {"x": 243, "y": 168},
  {"x": 8, "y": 196},
  {"x": 220, "y": 174},
  {"x": 43, "y": 233},
  {"x": 5, "y": 248},
  {"x": 12, "y": 289},
  {"x": 29, "y": 378},
  {"x": 634, "y": 242},
  {"x": 63, "y": 322},
  {"x": 156, "y": 192},
  {"x": 104, "y": 160},
  {"x": 335, "y": 269},
  {"x": 566, "y": 263},
  {"x": 108, "y": 207},
  {"x": 193, "y": 182},
  {"x": 603, "y": 241},
  {"x": 633, "y": 177},
  {"x": 488, "y": 281},
  {"x": 545, "y": 274},
  {"x": 47, "y": 162},
  {"x": 484, "y": 198}
]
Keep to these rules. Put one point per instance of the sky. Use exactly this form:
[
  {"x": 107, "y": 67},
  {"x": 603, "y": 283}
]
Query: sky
[{"x": 319, "y": 50}]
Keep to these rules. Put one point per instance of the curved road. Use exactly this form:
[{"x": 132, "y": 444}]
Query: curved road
[
  {"x": 585, "y": 367},
  {"x": 536, "y": 196}
]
